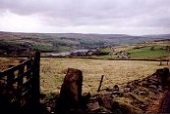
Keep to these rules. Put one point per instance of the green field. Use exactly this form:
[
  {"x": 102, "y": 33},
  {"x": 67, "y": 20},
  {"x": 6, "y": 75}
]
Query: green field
[
  {"x": 139, "y": 52},
  {"x": 148, "y": 53}
]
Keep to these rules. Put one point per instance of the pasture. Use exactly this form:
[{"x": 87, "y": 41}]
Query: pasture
[
  {"x": 154, "y": 50},
  {"x": 119, "y": 72},
  {"x": 116, "y": 72},
  {"x": 52, "y": 71}
]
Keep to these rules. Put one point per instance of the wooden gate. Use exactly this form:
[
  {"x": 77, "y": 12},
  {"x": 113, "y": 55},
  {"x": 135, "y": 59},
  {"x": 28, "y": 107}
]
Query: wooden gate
[{"x": 20, "y": 87}]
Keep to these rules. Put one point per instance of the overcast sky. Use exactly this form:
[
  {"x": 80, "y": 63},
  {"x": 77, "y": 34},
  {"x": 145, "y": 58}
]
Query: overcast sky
[{"x": 134, "y": 17}]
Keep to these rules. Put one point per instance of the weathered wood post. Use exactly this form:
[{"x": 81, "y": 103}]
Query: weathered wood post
[
  {"x": 100, "y": 84},
  {"x": 36, "y": 82},
  {"x": 20, "y": 82},
  {"x": 10, "y": 78},
  {"x": 70, "y": 93}
]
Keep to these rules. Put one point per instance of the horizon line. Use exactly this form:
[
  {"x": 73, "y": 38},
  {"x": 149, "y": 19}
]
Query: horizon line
[{"x": 92, "y": 33}]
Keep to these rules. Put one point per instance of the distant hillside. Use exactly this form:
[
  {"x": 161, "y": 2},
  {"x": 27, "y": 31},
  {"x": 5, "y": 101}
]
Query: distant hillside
[
  {"x": 158, "y": 36},
  {"x": 21, "y": 43}
]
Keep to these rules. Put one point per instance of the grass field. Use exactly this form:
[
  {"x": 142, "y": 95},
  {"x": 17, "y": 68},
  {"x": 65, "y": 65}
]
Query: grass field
[
  {"x": 116, "y": 72},
  {"x": 52, "y": 71},
  {"x": 147, "y": 53},
  {"x": 140, "y": 51}
]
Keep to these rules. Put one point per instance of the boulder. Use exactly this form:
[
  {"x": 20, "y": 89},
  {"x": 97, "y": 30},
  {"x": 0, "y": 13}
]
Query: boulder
[{"x": 70, "y": 93}]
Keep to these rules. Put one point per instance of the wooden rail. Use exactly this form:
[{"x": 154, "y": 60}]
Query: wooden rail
[{"x": 20, "y": 87}]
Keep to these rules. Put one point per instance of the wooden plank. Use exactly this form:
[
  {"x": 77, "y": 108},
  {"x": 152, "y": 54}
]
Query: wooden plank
[
  {"x": 26, "y": 92},
  {"x": 27, "y": 73},
  {"x": 10, "y": 78},
  {"x": 20, "y": 81},
  {"x": 20, "y": 76},
  {"x": 14, "y": 68},
  {"x": 29, "y": 66},
  {"x": 26, "y": 84}
]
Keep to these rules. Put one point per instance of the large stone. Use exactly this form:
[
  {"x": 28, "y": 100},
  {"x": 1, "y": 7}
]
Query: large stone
[
  {"x": 70, "y": 93},
  {"x": 164, "y": 75}
]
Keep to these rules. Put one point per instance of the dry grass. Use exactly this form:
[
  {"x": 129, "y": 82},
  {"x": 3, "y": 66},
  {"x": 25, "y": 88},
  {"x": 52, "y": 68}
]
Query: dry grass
[
  {"x": 4, "y": 62},
  {"x": 117, "y": 72}
]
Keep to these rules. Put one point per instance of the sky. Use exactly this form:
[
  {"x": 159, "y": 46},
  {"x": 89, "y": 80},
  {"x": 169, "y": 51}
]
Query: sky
[{"x": 133, "y": 17}]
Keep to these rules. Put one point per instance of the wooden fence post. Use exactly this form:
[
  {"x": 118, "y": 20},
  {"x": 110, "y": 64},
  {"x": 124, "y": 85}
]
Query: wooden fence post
[
  {"x": 20, "y": 82},
  {"x": 10, "y": 77},
  {"x": 100, "y": 84},
  {"x": 36, "y": 82}
]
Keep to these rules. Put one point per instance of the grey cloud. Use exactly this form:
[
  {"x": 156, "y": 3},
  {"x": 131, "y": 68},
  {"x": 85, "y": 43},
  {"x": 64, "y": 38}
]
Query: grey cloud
[{"x": 118, "y": 13}]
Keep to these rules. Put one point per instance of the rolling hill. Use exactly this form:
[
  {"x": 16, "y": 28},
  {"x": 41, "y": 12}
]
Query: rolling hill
[{"x": 14, "y": 43}]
